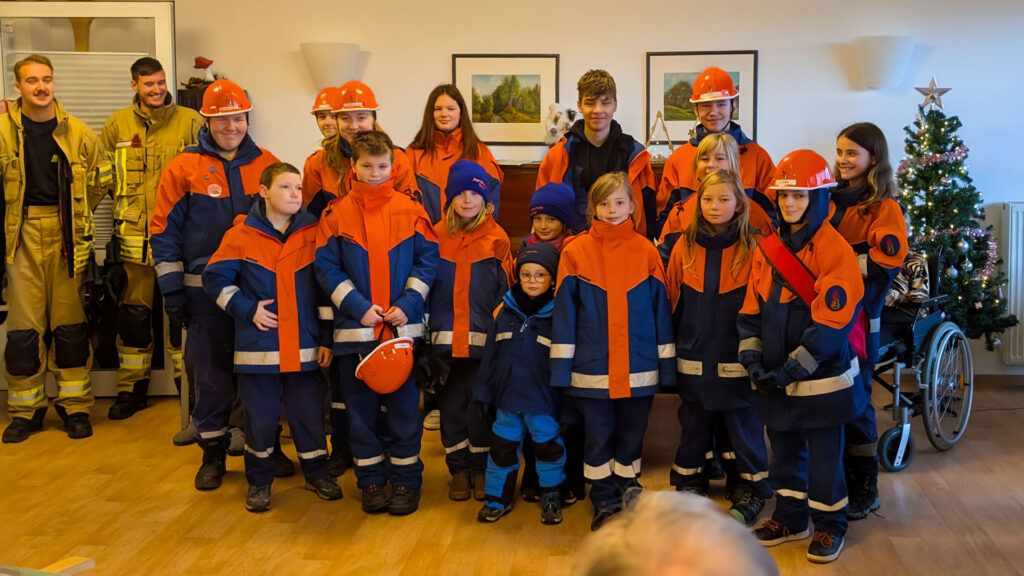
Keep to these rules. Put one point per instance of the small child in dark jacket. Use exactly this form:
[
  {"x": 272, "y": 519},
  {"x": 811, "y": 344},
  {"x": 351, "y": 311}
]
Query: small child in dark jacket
[{"x": 514, "y": 377}]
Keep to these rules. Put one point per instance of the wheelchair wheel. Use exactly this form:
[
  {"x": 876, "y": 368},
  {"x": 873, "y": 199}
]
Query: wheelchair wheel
[
  {"x": 888, "y": 450},
  {"x": 949, "y": 381}
]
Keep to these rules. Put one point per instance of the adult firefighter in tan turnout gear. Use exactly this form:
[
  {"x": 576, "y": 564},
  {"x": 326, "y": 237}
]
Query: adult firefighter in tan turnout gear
[
  {"x": 54, "y": 174},
  {"x": 140, "y": 140}
]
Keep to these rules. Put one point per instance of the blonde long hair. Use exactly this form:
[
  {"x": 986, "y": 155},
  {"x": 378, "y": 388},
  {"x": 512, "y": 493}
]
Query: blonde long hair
[{"x": 747, "y": 240}]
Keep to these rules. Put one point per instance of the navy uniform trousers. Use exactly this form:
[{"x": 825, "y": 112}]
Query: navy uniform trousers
[
  {"x": 806, "y": 473},
  {"x": 401, "y": 465},
  {"x": 614, "y": 442},
  {"x": 302, "y": 394}
]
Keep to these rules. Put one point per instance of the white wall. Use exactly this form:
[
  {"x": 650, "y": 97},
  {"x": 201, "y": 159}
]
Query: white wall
[{"x": 809, "y": 81}]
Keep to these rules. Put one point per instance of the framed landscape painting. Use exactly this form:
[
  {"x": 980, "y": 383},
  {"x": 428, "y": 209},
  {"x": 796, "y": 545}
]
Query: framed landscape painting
[
  {"x": 507, "y": 94},
  {"x": 670, "y": 77}
]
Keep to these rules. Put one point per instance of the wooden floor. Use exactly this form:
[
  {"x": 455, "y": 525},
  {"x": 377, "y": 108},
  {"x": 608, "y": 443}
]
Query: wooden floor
[{"x": 124, "y": 497}]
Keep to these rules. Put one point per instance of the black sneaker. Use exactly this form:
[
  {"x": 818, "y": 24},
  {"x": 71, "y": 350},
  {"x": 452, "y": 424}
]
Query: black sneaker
[
  {"x": 771, "y": 533},
  {"x": 746, "y": 507},
  {"x": 825, "y": 547},
  {"x": 863, "y": 497},
  {"x": 20, "y": 429},
  {"x": 530, "y": 493},
  {"x": 78, "y": 426},
  {"x": 602, "y": 516},
  {"x": 714, "y": 469},
  {"x": 375, "y": 499},
  {"x": 551, "y": 507},
  {"x": 698, "y": 490},
  {"x": 491, "y": 513},
  {"x": 325, "y": 488},
  {"x": 404, "y": 501},
  {"x": 125, "y": 406},
  {"x": 258, "y": 499},
  {"x": 338, "y": 463}
]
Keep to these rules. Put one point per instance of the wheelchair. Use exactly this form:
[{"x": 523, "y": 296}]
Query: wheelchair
[{"x": 938, "y": 353}]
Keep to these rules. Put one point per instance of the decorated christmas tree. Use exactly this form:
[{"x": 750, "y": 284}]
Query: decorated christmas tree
[{"x": 944, "y": 211}]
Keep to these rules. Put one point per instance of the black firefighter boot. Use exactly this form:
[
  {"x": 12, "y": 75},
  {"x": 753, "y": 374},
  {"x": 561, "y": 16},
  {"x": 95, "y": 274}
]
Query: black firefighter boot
[
  {"x": 21, "y": 428},
  {"x": 128, "y": 403},
  {"x": 215, "y": 452}
]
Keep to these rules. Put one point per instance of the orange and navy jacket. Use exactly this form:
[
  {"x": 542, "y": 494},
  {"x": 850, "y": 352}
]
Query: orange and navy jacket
[
  {"x": 706, "y": 295},
  {"x": 757, "y": 171},
  {"x": 560, "y": 165},
  {"x": 879, "y": 238},
  {"x": 680, "y": 216},
  {"x": 321, "y": 183},
  {"x": 612, "y": 325},
  {"x": 375, "y": 247},
  {"x": 809, "y": 343},
  {"x": 256, "y": 262},
  {"x": 431, "y": 169},
  {"x": 472, "y": 276},
  {"x": 199, "y": 195}
]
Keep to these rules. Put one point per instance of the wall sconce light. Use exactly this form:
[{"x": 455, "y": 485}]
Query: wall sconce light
[
  {"x": 330, "y": 63},
  {"x": 883, "y": 59}
]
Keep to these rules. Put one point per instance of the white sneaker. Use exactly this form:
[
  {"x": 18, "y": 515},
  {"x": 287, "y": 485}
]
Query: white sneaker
[{"x": 432, "y": 421}]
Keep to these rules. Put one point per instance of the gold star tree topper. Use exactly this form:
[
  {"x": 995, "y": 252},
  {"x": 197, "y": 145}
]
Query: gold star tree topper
[{"x": 932, "y": 94}]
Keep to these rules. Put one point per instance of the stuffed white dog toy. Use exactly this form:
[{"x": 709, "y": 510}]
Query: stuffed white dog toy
[{"x": 560, "y": 119}]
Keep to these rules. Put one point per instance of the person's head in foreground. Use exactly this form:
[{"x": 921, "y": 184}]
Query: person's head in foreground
[{"x": 673, "y": 534}]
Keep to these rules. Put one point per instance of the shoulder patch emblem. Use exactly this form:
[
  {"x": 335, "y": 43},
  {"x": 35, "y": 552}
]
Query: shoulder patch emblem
[
  {"x": 835, "y": 298},
  {"x": 890, "y": 245}
]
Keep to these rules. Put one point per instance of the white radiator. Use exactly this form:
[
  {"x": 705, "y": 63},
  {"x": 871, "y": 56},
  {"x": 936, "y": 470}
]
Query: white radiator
[{"x": 1012, "y": 252}]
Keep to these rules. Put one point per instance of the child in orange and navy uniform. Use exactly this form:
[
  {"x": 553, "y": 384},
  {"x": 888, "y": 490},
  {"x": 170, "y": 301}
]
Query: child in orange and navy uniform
[
  {"x": 376, "y": 256},
  {"x": 611, "y": 341},
  {"x": 707, "y": 280},
  {"x": 262, "y": 274},
  {"x": 866, "y": 215},
  {"x": 472, "y": 276}
]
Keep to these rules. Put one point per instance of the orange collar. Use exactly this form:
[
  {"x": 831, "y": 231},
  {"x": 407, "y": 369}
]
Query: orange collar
[
  {"x": 372, "y": 197},
  {"x": 612, "y": 233}
]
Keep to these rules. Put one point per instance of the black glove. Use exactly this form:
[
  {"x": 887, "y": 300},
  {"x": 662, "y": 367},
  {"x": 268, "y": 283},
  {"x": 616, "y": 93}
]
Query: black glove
[
  {"x": 114, "y": 275},
  {"x": 774, "y": 381},
  {"x": 756, "y": 372},
  {"x": 92, "y": 283}
]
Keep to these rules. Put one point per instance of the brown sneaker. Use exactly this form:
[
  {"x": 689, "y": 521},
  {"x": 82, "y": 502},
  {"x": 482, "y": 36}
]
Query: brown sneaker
[{"x": 460, "y": 487}]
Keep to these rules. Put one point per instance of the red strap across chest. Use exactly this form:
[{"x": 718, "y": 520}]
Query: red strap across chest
[{"x": 789, "y": 267}]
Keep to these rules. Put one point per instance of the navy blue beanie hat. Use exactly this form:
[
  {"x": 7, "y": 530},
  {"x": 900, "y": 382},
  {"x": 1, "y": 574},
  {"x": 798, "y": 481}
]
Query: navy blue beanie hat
[
  {"x": 555, "y": 200},
  {"x": 466, "y": 175},
  {"x": 540, "y": 253}
]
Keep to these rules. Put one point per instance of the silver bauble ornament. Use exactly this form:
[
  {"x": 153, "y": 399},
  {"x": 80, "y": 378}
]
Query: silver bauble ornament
[
  {"x": 968, "y": 266},
  {"x": 963, "y": 245},
  {"x": 952, "y": 273},
  {"x": 996, "y": 342}
]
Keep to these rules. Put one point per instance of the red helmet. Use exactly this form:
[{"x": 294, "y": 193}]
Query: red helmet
[
  {"x": 353, "y": 96},
  {"x": 223, "y": 98},
  {"x": 713, "y": 84},
  {"x": 388, "y": 367},
  {"x": 324, "y": 100},
  {"x": 802, "y": 170}
]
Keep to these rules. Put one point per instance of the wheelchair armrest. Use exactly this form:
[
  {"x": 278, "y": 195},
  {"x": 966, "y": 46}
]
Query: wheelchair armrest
[{"x": 935, "y": 302}]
